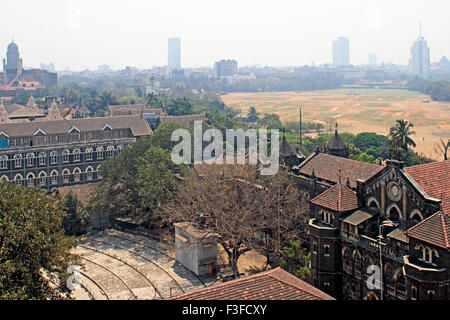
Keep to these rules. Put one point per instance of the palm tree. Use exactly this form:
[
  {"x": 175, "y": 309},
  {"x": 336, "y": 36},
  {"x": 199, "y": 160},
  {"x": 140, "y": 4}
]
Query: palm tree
[
  {"x": 400, "y": 136},
  {"x": 151, "y": 99}
]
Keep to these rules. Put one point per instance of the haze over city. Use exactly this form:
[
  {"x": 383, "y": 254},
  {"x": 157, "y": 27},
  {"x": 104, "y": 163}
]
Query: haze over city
[{"x": 82, "y": 34}]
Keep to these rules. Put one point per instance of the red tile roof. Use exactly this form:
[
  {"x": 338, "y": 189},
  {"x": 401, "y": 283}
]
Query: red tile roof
[
  {"x": 275, "y": 284},
  {"x": 326, "y": 167},
  {"x": 434, "y": 230},
  {"x": 434, "y": 179},
  {"x": 338, "y": 198}
]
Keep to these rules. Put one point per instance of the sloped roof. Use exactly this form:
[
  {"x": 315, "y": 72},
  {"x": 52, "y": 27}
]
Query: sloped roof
[
  {"x": 434, "y": 179},
  {"x": 133, "y": 109},
  {"x": 187, "y": 120},
  {"x": 434, "y": 230},
  {"x": 275, "y": 284},
  {"x": 359, "y": 216},
  {"x": 138, "y": 126},
  {"x": 338, "y": 198},
  {"x": 329, "y": 168},
  {"x": 18, "y": 111},
  {"x": 287, "y": 150}
]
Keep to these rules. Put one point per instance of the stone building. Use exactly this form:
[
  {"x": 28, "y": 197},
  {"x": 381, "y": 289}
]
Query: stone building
[
  {"x": 56, "y": 153},
  {"x": 337, "y": 146},
  {"x": 394, "y": 219}
]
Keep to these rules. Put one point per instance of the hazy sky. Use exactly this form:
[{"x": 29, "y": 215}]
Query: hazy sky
[{"x": 86, "y": 33}]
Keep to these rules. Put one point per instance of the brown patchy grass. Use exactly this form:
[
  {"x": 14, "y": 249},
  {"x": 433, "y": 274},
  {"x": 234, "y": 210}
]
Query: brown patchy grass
[{"x": 371, "y": 110}]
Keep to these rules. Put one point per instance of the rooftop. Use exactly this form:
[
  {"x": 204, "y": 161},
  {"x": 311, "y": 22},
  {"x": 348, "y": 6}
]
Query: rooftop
[
  {"x": 275, "y": 284},
  {"x": 338, "y": 198},
  {"x": 331, "y": 168},
  {"x": 434, "y": 230}
]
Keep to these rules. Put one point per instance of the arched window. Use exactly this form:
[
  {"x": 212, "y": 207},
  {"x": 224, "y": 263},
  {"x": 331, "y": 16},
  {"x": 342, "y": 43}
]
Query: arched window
[
  {"x": 30, "y": 179},
  {"x": 54, "y": 157},
  {"x": 100, "y": 153},
  {"x": 4, "y": 162},
  {"x": 389, "y": 276},
  {"x": 110, "y": 151},
  {"x": 119, "y": 150},
  {"x": 357, "y": 264},
  {"x": 394, "y": 214},
  {"x": 30, "y": 159},
  {"x": 66, "y": 175},
  {"x": 18, "y": 179},
  {"x": 41, "y": 158},
  {"x": 76, "y": 155},
  {"x": 4, "y": 179},
  {"x": 77, "y": 175},
  {"x": 347, "y": 260},
  {"x": 89, "y": 152},
  {"x": 89, "y": 173},
  {"x": 18, "y": 160},
  {"x": 65, "y": 156},
  {"x": 400, "y": 284},
  {"x": 54, "y": 177},
  {"x": 42, "y": 179}
]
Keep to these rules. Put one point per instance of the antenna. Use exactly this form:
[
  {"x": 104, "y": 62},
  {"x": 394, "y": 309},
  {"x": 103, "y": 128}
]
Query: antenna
[
  {"x": 420, "y": 29},
  {"x": 301, "y": 128}
]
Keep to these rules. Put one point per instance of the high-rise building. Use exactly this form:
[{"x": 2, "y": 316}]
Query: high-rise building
[
  {"x": 226, "y": 68},
  {"x": 372, "y": 59},
  {"x": 419, "y": 64},
  {"x": 175, "y": 53},
  {"x": 341, "y": 52}
]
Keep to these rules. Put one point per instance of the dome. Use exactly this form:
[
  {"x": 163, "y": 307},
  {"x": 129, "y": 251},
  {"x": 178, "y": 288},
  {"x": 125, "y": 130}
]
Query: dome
[{"x": 336, "y": 143}]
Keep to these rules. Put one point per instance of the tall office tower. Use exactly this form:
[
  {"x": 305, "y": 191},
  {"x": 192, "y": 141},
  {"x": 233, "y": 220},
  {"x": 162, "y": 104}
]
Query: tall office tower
[
  {"x": 341, "y": 52},
  {"x": 175, "y": 53},
  {"x": 372, "y": 59},
  {"x": 419, "y": 64}
]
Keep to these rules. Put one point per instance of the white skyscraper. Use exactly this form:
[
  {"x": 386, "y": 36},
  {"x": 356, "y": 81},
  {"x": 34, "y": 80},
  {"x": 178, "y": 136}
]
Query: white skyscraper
[
  {"x": 372, "y": 59},
  {"x": 341, "y": 52},
  {"x": 175, "y": 53},
  {"x": 419, "y": 64}
]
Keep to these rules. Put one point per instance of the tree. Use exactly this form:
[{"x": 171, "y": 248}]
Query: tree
[
  {"x": 253, "y": 115},
  {"x": 270, "y": 121},
  {"x": 151, "y": 100},
  {"x": 136, "y": 182},
  {"x": 77, "y": 220},
  {"x": 246, "y": 210},
  {"x": 400, "y": 136},
  {"x": 35, "y": 252},
  {"x": 443, "y": 148}
]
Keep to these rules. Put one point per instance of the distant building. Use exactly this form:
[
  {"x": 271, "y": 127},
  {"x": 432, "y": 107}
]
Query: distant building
[
  {"x": 341, "y": 52},
  {"x": 226, "y": 68},
  {"x": 372, "y": 59},
  {"x": 419, "y": 64},
  {"x": 48, "y": 67},
  {"x": 104, "y": 68},
  {"x": 15, "y": 77},
  {"x": 175, "y": 53}
]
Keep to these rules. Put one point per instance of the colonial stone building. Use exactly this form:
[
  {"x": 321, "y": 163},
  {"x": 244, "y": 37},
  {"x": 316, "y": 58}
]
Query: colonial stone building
[
  {"x": 392, "y": 219},
  {"x": 56, "y": 153}
]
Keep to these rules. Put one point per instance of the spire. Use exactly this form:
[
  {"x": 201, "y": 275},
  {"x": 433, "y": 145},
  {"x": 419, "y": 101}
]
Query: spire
[
  {"x": 336, "y": 130},
  {"x": 32, "y": 103},
  {"x": 53, "y": 112},
  {"x": 420, "y": 29}
]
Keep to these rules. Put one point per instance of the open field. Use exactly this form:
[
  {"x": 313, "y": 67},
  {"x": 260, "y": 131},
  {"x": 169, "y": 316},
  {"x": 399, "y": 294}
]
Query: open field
[{"x": 369, "y": 110}]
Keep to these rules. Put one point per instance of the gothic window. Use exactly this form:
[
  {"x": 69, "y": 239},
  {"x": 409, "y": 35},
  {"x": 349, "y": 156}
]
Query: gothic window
[
  {"x": 76, "y": 155},
  {"x": 315, "y": 247},
  {"x": 41, "y": 158},
  {"x": 326, "y": 250},
  {"x": 110, "y": 151},
  {"x": 89, "y": 173},
  {"x": 54, "y": 177},
  {"x": 18, "y": 160},
  {"x": 18, "y": 179},
  {"x": 30, "y": 179},
  {"x": 53, "y": 157},
  {"x": 357, "y": 264},
  {"x": 65, "y": 155},
  {"x": 414, "y": 292},
  {"x": 99, "y": 175},
  {"x": 30, "y": 159},
  {"x": 77, "y": 175},
  {"x": 394, "y": 214},
  {"x": 89, "y": 154},
  {"x": 100, "y": 153},
  {"x": 42, "y": 179},
  {"x": 430, "y": 294},
  {"x": 119, "y": 150},
  {"x": 66, "y": 176},
  {"x": 4, "y": 162}
]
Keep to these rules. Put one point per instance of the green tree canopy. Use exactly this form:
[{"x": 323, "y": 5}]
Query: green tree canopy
[{"x": 34, "y": 250}]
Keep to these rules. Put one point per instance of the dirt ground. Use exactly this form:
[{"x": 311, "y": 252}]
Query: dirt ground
[{"x": 359, "y": 110}]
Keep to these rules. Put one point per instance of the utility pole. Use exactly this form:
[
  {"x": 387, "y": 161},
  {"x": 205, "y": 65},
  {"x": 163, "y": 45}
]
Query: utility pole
[{"x": 301, "y": 129}]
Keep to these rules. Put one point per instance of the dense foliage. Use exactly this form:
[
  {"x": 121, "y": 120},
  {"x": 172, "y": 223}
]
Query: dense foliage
[
  {"x": 439, "y": 90},
  {"x": 34, "y": 250}
]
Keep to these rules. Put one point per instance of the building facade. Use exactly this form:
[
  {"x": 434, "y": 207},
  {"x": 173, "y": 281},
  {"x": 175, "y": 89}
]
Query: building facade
[
  {"x": 56, "y": 153},
  {"x": 226, "y": 68},
  {"x": 420, "y": 58},
  {"x": 395, "y": 223}
]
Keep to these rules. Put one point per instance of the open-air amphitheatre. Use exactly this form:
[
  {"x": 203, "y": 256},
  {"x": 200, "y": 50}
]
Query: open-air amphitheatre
[{"x": 357, "y": 110}]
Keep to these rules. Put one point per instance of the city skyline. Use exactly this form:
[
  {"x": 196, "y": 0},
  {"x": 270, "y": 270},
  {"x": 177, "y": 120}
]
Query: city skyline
[{"x": 83, "y": 35}]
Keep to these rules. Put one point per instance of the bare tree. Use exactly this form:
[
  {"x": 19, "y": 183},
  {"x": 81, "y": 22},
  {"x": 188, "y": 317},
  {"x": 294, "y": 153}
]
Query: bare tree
[
  {"x": 247, "y": 210},
  {"x": 442, "y": 148}
]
